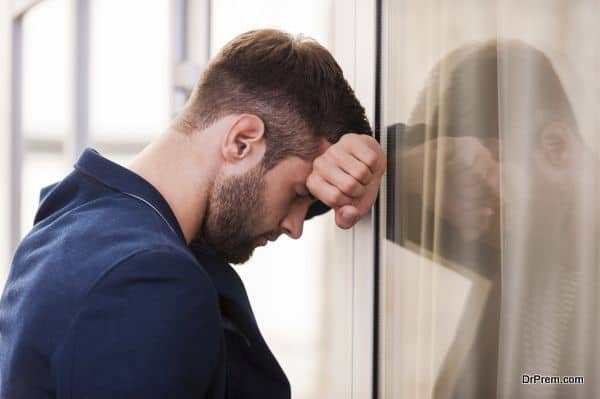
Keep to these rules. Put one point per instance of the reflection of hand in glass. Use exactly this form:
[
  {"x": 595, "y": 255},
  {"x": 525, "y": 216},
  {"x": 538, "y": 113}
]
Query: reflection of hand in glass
[{"x": 458, "y": 177}]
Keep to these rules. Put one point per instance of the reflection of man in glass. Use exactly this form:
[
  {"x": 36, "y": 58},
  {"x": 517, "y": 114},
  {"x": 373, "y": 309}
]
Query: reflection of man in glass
[{"x": 477, "y": 97}]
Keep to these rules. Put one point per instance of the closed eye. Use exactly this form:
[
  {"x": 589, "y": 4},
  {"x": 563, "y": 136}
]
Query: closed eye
[
  {"x": 302, "y": 193},
  {"x": 302, "y": 196}
]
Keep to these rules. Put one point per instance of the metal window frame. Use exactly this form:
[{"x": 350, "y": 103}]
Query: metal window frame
[
  {"x": 16, "y": 145},
  {"x": 183, "y": 76},
  {"x": 80, "y": 59},
  {"x": 20, "y": 7},
  {"x": 365, "y": 266},
  {"x": 355, "y": 48},
  {"x": 382, "y": 321},
  {"x": 78, "y": 137},
  {"x": 190, "y": 50}
]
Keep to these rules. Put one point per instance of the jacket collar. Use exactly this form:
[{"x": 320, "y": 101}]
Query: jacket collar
[
  {"x": 232, "y": 293},
  {"x": 235, "y": 308},
  {"x": 118, "y": 178}
]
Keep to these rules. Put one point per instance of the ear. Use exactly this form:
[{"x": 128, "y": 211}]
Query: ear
[
  {"x": 244, "y": 141},
  {"x": 556, "y": 142}
]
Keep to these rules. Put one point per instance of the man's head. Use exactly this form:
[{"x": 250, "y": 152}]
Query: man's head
[
  {"x": 497, "y": 89},
  {"x": 508, "y": 95},
  {"x": 275, "y": 102}
]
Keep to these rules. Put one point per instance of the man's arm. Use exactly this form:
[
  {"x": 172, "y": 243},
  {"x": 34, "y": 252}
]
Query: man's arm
[
  {"x": 316, "y": 209},
  {"x": 148, "y": 329},
  {"x": 347, "y": 175}
]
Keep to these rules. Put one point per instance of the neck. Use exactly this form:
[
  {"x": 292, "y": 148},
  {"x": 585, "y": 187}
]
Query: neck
[{"x": 177, "y": 167}]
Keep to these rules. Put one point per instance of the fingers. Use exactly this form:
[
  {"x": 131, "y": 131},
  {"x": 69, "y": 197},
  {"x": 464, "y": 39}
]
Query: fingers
[
  {"x": 489, "y": 173},
  {"x": 349, "y": 164},
  {"x": 346, "y": 177},
  {"x": 471, "y": 219},
  {"x": 365, "y": 149},
  {"x": 473, "y": 225},
  {"x": 329, "y": 194},
  {"x": 346, "y": 216},
  {"x": 337, "y": 175}
]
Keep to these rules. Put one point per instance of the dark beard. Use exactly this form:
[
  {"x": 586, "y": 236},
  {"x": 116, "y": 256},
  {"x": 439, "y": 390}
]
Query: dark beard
[{"x": 234, "y": 207}]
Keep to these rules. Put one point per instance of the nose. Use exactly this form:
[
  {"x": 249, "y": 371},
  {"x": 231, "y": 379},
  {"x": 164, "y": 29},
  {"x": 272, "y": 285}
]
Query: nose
[{"x": 292, "y": 225}]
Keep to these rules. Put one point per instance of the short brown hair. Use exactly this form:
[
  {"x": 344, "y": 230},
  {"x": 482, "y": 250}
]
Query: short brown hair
[{"x": 291, "y": 82}]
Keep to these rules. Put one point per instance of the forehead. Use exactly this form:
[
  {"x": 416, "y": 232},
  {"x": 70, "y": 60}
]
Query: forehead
[
  {"x": 294, "y": 169},
  {"x": 291, "y": 169}
]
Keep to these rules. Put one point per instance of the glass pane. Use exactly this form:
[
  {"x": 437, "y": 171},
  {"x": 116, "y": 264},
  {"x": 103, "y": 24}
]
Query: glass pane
[
  {"x": 129, "y": 69},
  {"x": 490, "y": 224},
  {"x": 39, "y": 170},
  {"x": 46, "y": 84}
]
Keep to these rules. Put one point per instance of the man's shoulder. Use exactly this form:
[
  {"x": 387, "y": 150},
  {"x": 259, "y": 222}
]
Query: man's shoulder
[
  {"x": 165, "y": 260},
  {"x": 154, "y": 311},
  {"x": 161, "y": 282}
]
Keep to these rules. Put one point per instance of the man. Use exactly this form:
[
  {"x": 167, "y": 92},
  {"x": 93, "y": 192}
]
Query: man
[{"x": 122, "y": 288}]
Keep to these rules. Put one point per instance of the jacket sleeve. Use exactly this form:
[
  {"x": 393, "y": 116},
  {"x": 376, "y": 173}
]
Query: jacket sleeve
[
  {"x": 149, "y": 328},
  {"x": 316, "y": 209}
]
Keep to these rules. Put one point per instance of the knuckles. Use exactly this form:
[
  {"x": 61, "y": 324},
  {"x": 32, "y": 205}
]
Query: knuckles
[
  {"x": 372, "y": 163},
  {"x": 371, "y": 159},
  {"x": 337, "y": 197},
  {"x": 363, "y": 174},
  {"x": 350, "y": 187}
]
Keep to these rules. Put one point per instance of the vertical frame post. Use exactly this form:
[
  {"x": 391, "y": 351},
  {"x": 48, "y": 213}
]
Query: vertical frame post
[
  {"x": 80, "y": 56},
  {"x": 16, "y": 136}
]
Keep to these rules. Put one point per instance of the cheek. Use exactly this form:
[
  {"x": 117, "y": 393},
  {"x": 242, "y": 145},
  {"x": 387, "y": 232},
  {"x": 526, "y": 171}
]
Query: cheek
[{"x": 277, "y": 207}]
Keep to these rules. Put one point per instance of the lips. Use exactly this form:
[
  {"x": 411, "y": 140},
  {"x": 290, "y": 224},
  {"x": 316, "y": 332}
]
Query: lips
[
  {"x": 263, "y": 240},
  {"x": 273, "y": 237}
]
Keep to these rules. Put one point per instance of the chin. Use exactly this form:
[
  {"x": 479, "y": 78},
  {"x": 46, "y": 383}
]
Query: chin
[
  {"x": 240, "y": 256},
  {"x": 239, "y": 251}
]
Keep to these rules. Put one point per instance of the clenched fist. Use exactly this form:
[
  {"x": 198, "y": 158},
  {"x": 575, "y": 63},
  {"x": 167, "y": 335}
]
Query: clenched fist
[
  {"x": 347, "y": 175},
  {"x": 463, "y": 176}
]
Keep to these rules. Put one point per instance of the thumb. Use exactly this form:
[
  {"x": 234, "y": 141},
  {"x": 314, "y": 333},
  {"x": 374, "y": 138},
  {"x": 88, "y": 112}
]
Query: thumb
[{"x": 346, "y": 216}]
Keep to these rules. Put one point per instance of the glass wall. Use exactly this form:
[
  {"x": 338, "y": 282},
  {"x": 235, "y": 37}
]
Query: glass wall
[{"x": 490, "y": 220}]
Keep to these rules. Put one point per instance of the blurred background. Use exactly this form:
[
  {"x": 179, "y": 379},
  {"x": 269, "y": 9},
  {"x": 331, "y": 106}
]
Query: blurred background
[{"x": 480, "y": 263}]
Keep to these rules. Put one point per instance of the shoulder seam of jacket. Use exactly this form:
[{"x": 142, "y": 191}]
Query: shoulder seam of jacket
[{"x": 97, "y": 282}]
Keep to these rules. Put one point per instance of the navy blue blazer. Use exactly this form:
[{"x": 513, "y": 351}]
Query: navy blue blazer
[{"x": 106, "y": 300}]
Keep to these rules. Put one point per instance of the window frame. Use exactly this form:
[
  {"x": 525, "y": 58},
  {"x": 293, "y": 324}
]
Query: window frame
[{"x": 182, "y": 77}]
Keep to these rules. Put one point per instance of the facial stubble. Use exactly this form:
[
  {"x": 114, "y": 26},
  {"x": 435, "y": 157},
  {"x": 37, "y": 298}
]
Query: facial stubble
[{"x": 235, "y": 206}]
